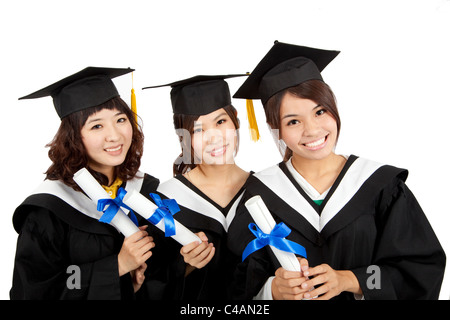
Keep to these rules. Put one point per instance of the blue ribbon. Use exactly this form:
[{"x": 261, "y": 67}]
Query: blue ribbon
[
  {"x": 113, "y": 207},
  {"x": 166, "y": 209},
  {"x": 276, "y": 238}
]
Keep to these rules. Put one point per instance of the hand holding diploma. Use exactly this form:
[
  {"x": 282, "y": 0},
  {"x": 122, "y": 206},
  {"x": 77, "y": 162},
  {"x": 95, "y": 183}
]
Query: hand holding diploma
[
  {"x": 197, "y": 255},
  {"x": 136, "y": 247},
  {"x": 135, "y": 251},
  {"x": 289, "y": 280}
]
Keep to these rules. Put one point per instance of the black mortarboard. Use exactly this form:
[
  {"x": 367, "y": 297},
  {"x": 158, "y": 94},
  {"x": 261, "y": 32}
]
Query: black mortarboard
[
  {"x": 284, "y": 66},
  {"x": 200, "y": 95},
  {"x": 87, "y": 88}
]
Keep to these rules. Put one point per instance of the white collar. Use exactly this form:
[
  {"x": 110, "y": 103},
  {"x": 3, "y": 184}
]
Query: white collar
[{"x": 305, "y": 185}]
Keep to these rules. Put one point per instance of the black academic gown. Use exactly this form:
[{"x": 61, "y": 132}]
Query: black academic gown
[
  {"x": 167, "y": 267},
  {"x": 368, "y": 218},
  {"x": 56, "y": 235}
]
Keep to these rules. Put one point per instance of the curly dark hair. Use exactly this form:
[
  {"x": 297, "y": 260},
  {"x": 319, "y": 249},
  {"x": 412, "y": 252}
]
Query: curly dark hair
[{"x": 68, "y": 154}]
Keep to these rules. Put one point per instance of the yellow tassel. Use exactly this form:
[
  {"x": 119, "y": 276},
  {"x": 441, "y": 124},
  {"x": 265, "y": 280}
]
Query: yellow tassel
[
  {"x": 133, "y": 99},
  {"x": 253, "y": 126}
]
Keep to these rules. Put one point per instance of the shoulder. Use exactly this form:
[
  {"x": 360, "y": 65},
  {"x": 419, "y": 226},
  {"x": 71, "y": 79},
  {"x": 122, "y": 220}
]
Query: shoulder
[
  {"x": 269, "y": 177},
  {"x": 174, "y": 185},
  {"x": 379, "y": 173},
  {"x": 378, "y": 182},
  {"x": 35, "y": 214},
  {"x": 267, "y": 173},
  {"x": 149, "y": 184},
  {"x": 65, "y": 204},
  {"x": 272, "y": 170}
]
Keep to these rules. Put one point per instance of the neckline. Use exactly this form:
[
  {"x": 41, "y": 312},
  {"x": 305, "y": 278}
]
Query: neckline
[
  {"x": 195, "y": 189},
  {"x": 319, "y": 208},
  {"x": 306, "y": 186}
]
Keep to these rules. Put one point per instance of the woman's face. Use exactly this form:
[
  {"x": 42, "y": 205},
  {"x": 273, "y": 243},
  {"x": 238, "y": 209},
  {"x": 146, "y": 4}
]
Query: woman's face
[
  {"x": 307, "y": 128},
  {"x": 107, "y": 136},
  {"x": 214, "y": 138}
]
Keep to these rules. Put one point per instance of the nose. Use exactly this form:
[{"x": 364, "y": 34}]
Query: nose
[
  {"x": 310, "y": 128},
  {"x": 212, "y": 136},
  {"x": 111, "y": 134}
]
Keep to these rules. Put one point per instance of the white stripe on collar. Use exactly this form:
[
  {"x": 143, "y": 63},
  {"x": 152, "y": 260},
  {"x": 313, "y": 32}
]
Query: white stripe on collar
[
  {"x": 184, "y": 196},
  {"x": 356, "y": 175},
  {"x": 79, "y": 200},
  {"x": 275, "y": 179}
]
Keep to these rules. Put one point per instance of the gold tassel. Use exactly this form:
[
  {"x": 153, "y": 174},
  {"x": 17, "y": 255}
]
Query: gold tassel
[
  {"x": 253, "y": 126},
  {"x": 133, "y": 99}
]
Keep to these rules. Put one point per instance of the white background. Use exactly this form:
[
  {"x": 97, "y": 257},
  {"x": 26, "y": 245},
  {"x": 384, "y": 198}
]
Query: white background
[{"x": 391, "y": 80}]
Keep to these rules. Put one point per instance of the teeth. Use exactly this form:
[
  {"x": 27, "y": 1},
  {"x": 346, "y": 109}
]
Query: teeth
[
  {"x": 115, "y": 149},
  {"x": 315, "y": 143},
  {"x": 217, "y": 151}
]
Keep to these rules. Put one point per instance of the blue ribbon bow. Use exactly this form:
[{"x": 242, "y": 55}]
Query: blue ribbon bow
[
  {"x": 166, "y": 209},
  {"x": 113, "y": 207},
  {"x": 276, "y": 238}
]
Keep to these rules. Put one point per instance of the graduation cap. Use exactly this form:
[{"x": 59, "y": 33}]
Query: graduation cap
[
  {"x": 204, "y": 94},
  {"x": 87, "y": 88},
  {"x": 199, "y": 95},
  {"x": 284, "y": 66}
]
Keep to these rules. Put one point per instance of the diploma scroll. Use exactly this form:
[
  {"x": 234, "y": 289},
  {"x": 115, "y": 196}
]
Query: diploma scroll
[
  {"x": 145, "y": 208},
  {"x": 96, "y": 192},
  {"x": 266, "y": 223}
]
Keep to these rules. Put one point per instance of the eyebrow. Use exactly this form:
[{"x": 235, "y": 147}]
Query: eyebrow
[
  {"x": 199, "y": 123},
  {"x": 220, "y": 115},
  {"x": 295, "y": 115},
  {"x": 99, "y": 119}
]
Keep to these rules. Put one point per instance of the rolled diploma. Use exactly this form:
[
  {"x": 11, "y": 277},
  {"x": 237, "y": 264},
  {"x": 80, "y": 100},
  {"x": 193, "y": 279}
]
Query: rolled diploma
[
  {"x": 261, "y": 215},
  {"x": 145, "y": 208},
  {"x": 96, "y": 192}
]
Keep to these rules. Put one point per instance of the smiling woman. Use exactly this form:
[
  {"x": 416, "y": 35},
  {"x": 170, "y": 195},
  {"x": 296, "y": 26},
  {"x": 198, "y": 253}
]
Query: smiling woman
[
  {"x": 101, "y": 127},
  {"x": 57, "y": 224},
  {"x": 318, "y": 93},
  {"x": 107, "y": 136},
  {"x": 214, "y": 138},
  {"x": 207, "y": 185},
  {"x": 347, "y": 211}
]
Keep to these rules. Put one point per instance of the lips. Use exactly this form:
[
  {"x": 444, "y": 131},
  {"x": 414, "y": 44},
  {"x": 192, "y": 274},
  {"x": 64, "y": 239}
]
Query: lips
[
  {"x": 219, "y": 151},
  {"x": 316, "y": 144},
  {"x": 114, "y": 149}
]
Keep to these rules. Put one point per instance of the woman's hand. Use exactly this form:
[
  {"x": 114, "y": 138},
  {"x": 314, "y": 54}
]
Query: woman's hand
[
  {"x": 287, "y": 284},
  {"x": 135, "y": 251},
  {"x": 197, "y": 255},
  {"x": 138, "y": 276},
  {"x": 332, "y": 282}
]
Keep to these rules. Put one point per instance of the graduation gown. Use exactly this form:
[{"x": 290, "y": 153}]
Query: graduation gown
[
  {"x": 368, "y": 218},
  {"x": 58, "y": 232},
  {"x": 167, "y": 267}
]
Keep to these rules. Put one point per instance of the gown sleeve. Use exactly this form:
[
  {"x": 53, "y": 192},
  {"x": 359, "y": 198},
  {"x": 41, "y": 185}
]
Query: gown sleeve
[
  {"x": 42, "y": 261},
  {"x": 164, "y": 277},
  {"x": 165, "y": 274},
  {"x": 408, "y": 255}
]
